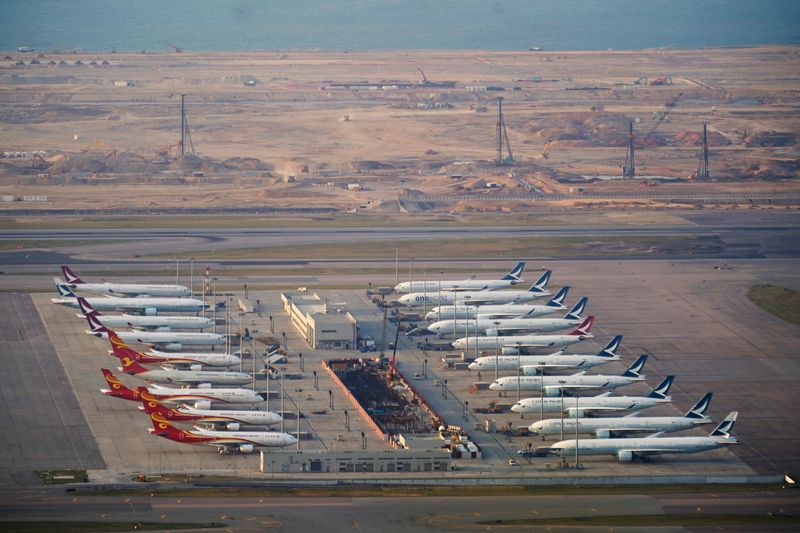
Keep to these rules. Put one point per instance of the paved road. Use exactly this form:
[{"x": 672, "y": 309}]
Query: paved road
[
  {"x": 44, "y": 426},
  {"x": 388, "y": 515}
]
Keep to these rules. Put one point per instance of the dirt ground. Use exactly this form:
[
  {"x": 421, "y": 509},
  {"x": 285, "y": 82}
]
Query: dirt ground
[{"x": 109, "y": 133}]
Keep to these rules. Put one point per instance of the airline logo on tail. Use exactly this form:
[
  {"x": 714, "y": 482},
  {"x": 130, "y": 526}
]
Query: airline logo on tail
[
  {"x": 516, "y": 273},
  {"x": 163, "y": 428},
  {"x": 634, "y": 371},
  {"x": 151, "y": 406},
  {"x": 95, "y": 325},
  {"x": 86, "y": 308},
  {"x": 700, "y": 408},
  {"x": 662, "y": 389},
  {"x": 558, "y": 299},
  {"x": 577, "y": 309},
  {"x": 70, "y": 276},
  {"x": 64, "y": 291},
  {"x": 725, "y": 428},
  {"x": 117, "y": 389},
  {"x": 611, "y": 348},
  {"x": 540, "y": 285},
  {"x": 585, "y": 326}
]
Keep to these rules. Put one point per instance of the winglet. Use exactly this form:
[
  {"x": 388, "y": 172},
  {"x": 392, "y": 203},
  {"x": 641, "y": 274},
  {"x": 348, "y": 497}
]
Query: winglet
[
  {"x": 725, "y": 428},
  {"x": 577, "y": 309},
  {"x": 516, "y": 273},
  {"x": 634, "y": 371},
  {"x": 662, "y": 389},
  {"x": 70, "y": 276},
  {"x": 540, "y": 285},
  {"x": 585, "y": 326},
  {"x": 610, "y": 349},
  {"x": 700, "y": 408}
]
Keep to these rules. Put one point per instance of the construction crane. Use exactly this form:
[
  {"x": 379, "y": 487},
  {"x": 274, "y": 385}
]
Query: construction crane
[
  {"x": 186, "y": 136},
  {"x": 424, "y": 78},
  {"x": 546, "y": 150},
  {"x": 502, "y": 137},
  {"x": 39, "y": 162},
  {"x": 177, "y": 49},
  {"x": 702, "y": 170}
]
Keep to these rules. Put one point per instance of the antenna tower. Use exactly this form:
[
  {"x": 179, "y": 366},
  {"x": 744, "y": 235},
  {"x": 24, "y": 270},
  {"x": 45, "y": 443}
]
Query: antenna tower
[
  {"x": 702, "y": 172},
  {"x": 629, "y": 169},
  {"x": 185, "y": 135},
  {"x": 502, "y": 137}
]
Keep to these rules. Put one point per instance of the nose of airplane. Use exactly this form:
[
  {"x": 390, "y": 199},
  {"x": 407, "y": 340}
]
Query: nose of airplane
[
  {"x": 516, "y": 408},
  {"x": 474, "y": 366},
  {"x": 495, "y": 386},
  {"x": 431, "y": 316}
]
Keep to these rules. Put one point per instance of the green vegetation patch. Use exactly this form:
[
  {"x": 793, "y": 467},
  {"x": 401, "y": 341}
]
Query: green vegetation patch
[
  {"x": 88, "y": 527},
  {"x": 511, "y": 247},
  {"x": 695, "y": 519},
  {"x": 62, "y": 476},
  {"x": 781, "y": 302}
]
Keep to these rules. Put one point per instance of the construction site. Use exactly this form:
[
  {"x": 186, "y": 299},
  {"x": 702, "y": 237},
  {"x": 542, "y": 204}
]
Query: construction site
[{"x": 439, "y": 131}]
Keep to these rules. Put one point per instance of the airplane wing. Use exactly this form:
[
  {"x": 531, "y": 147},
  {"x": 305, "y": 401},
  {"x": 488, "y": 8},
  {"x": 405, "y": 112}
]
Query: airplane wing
[
  {"x": 518, "y": 329},
  {"x": 593, "y": 409},
  {"x": 529, "y": 344}
]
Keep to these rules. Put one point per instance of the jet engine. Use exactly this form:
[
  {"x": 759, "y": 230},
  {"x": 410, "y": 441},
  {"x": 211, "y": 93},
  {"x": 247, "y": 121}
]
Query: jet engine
[
  {"x": 246, "y": 448},
  {"x": 163, "y": 329},
  {"x": 173, "y": 347},
  {"x": 232, "y": 426},
  {"x": 491, "y": 333},
  {"x": 508, "y": 350},
  {"x": 150, "y": 311},
  {"x": 530, "y": 370},
  {"x": 552, "y": 392},
  {"x": 625, "y": 456},
  {"x": 202, "y": 404},
  {"x": 204, "y": 385},
  {"x": 196, "y": 368},
  {"x": 603, "y": 434}
]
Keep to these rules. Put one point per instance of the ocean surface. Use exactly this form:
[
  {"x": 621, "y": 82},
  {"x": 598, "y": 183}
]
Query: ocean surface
[{"x": 132, "y": 25}]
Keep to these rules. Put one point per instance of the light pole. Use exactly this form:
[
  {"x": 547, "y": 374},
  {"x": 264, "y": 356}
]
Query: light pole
[
  {"x": 541, "y": 386},
  {"x": 302, "y": 366},
  {"x": 299, "y": 393},
  {"x": 496, "y": 352},
  {"x": 283, "y": 394},
  {"x": 214, "y": 280},
  {"x": 562, "y": 382},
  {"x": 466, "y": 409},
  {"x": 191, "y": 276},
  {"x": 425, "y": 292},
  {"x": 577, "y": 411},
  {"x": 346, "y": 420},
  {"x": 316, "y": 380},
  {"x": 519, "y": 378}
]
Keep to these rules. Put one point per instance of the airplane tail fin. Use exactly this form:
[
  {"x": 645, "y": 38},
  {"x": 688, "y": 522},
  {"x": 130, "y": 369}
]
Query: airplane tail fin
[
  {"x": 117, "y": 388},
  {"x": 577, "y": 309},
  {"x": 585, "y": 326},
  {"x": 610, "y": 349},
  {"x": 94, "y": 324},
  {"x": 516, "y": 272},
  {"x": 662, "y": 389},
  {"x": 70, "y": 276},
  {"x": 152, "y": 405},
  {"x": 558, "y": 300},
  {"x": 700, "y": 408},
  {"x": 129, "y": 363},
  {"x": 634, "y": 371},
  {"x": 541, "y": 283},
  {"x": 63, "y": 289},
  {"x": 86, "y": 308},
  {"x": 725, "y": 428}
]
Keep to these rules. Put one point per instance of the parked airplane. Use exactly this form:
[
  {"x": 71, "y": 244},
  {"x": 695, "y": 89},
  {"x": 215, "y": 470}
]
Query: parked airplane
[
  {"x": 183, "y": 377},
  {"x": 171, "y": 340},
  {"x": 202, "y": 398},
  {"x": 578, "y": 406},
  {"x": 512, "y": 278},
  {"x": 553, "y": 385},
  {"x": 627, "y": 450},
  {"x": 143, "y": 322},
  {"x": 145, "y": 306},
  {"x": 508, "y": 326},
  {"x": 450, "y": 312},
  {"x": 122, "y": 289},
  {"x": 537, "y": 290},
  {"x": 225, "y": 441},
  {"x": 554, "y": 361},
  {"x": 604, "y": 428},
  {"x": 218, "y": 418},
  {"x": 195, "y": 361},
  {"x": 527, "y": 343}
]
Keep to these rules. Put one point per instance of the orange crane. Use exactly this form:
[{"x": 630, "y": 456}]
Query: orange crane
[{"x": 166, "y": 151}]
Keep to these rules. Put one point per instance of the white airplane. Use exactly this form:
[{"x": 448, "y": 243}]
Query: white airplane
[
  {"x": 183, "y": 377},
  {"x": 626, "y": 450},
  {"x": 143, "y": 322},
  {"x": 512, "y": 278},
  {"x": 553, "y": 385},
  {"x": 202, "y": 398},
  {"x": 122, "y": 289},
  {"x": 225, "y": 441},
  {"x": 146, "y": 306},
  {"x": 513, "y": 344},
  {"x": 537, "y": 290},
  {"x": 507, "y": 326},
  {"x": 171, "y": 340},
  {"x": 578, "y": 406},
  {"x": 554, "y": 361},
  {"x": 604, "y": 428},
  {"x": 195, "y": 361},
  {"x": 450, "y": 312},
  {"x": 218, "y": 418}
]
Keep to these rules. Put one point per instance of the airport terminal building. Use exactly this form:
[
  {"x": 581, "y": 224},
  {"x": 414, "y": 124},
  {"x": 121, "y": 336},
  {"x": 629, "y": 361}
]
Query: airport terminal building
[{"x": 322, "y": 325}]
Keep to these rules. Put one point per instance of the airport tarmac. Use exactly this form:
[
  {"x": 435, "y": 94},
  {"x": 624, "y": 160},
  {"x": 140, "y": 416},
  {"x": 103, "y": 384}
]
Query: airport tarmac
[{"x": 693, "y": 319}]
